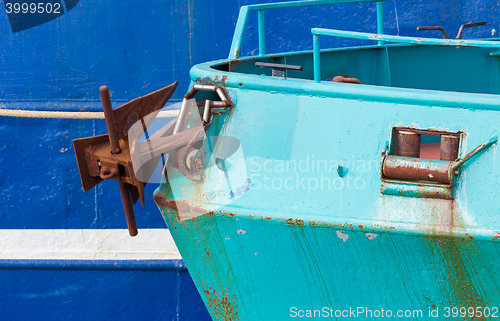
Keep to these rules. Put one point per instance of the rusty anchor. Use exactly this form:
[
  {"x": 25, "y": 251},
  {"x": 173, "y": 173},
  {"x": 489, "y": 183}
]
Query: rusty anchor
[
  {"x": 107, "y": 156},
  {"x": 118, "y": 155}
]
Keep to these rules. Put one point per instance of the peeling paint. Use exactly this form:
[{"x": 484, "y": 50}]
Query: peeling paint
[{"x": 342, "y": 235}]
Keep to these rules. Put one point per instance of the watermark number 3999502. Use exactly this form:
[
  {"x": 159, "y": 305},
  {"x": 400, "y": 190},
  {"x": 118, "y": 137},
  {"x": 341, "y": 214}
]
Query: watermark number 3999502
[{"x": 26, "y": 14}]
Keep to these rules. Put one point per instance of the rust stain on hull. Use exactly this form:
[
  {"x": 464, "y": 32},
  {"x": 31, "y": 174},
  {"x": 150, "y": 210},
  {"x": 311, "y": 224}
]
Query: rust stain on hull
[
  {"x": 221, "y": 304},
  {"x": 454, "y": 260}
]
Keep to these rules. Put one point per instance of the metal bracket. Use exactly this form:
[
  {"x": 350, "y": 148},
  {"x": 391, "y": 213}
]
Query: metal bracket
[
  {"x": 225, "y": 102},
  {"x": 178, "y": 140},
  {"x": 460, "y": 31},
  {"x": 278, "y": 70}
]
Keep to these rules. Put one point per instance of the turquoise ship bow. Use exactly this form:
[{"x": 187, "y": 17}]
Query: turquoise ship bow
[
  {"x": 328, "y": 209},
  {"x": 356, "y": 182}
]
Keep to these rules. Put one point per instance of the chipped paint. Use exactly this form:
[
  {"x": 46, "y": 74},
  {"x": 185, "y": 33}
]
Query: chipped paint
[{"x": 342, "y": 235}]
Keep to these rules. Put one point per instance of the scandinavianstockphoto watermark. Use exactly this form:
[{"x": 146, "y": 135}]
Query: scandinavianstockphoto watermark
[{"x": 310, "y": 174}]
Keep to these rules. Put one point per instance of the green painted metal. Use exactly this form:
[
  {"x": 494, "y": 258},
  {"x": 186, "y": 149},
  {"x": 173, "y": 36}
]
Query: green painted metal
[
  {"x": 401, "y": 39},
  {"x": 234, "y": 52},
  {"x": 317, "y": 59},
  {"x": 273, "y": 250},
  {"x": 262, "y": 33},
  {"x": 380, "y": 20},
  {"x": 238, "y": 33},
  {"x": 401, "y": 188},
  {"x": 301, "y": 218},
  {"x": 316, "y": 32}
]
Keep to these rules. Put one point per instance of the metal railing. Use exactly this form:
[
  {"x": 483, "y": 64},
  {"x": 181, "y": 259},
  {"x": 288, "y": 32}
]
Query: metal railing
[
  {"x": 234, "y": 52},
  {"x": 316, "y": 32}
]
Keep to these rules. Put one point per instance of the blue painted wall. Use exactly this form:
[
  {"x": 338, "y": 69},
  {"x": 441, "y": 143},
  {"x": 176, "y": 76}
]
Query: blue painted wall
[{"x": 136, "y": 47}]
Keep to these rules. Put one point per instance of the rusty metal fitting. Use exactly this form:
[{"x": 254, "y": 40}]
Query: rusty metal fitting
[
  {"x": 406, "y": 168},
  {"x": 107, "y": 156},
  {"x": 346, "y": 80},
  {"x": 408, "y": 144},
  {"x": 449, "y": 147},
  {"x": 107, "y": 173}
]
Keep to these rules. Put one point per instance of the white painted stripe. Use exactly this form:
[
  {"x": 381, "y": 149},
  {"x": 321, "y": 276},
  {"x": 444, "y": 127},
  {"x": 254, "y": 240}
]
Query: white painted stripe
[{"x": 87, "y": 244}]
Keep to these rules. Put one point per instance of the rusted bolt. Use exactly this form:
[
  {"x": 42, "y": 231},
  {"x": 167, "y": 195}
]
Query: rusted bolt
[
  {"x": 408, "y": 144},
  {"x": 107, "y": 173},
  {"x": 449, "y": 147}
]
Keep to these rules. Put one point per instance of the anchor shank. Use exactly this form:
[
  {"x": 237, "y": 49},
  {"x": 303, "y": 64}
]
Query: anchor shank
[
  {"x": 110, "y": 120},
  {"x": 127, "y": 207}
]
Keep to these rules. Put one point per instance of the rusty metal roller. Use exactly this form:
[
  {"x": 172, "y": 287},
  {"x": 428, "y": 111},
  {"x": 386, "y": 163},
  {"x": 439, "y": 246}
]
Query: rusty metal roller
[
  {"x": 417, "y": 169},
  {"x": 408, "y": 143},
  {"x": 449, "y": 147}
]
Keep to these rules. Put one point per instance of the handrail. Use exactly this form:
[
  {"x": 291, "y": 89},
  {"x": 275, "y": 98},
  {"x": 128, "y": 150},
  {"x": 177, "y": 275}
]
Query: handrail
[
  {"x": 316, "y": 32},
  {"x": 234, "y": 52}
]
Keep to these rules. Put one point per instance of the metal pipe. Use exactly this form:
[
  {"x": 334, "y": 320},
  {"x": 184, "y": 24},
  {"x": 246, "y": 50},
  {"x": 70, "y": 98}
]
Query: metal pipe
[
  {"x": 221, "y": 93},
  {"x": 380, "y": 20},
  {"x": 449, "y": 147},
  {"x": 443, "y": 32},
  {"x": 304, "y": 3},
  {"x": 417, "y": 169},
  {"x": 127, "y": 207},
  {"x": 262, "y": 33},
  {"x": 220, "y": 104},
  {"x": 110, "y": 120},
  {"x": 468, "y": 25},
  {"x": 191, "y": 92},
  {"x": 400, "y": 39},
  {"x": 205, "y": 87},
  {"x": 316, "y": 58},
  {"x": 206, "y": 112},
  {"x": 181, "y": 117},
  {"x": 475, "y": 151},
  {"x": 239, "y": 31},
  {"x": 408, "y": 144}
]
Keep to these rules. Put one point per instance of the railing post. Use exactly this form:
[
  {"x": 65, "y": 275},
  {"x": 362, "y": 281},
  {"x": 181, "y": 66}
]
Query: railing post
[
  {"x": 316, "y": 58},
  {"x": 380, "y": 20},
  {"x": 239, "y": 31},
  {"x": 262, "y": 33}
]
